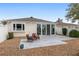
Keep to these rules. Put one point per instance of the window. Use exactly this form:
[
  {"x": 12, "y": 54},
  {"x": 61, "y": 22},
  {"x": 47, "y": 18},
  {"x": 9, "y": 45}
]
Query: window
[
  {"x": 48, "y": 29},
  {"x": 52, "y": 29},
  {"x": 13, "y": 26},
  {"x": 23, "y": 26},
  {"x": 44, "y": 29},
  {"x": 18, "y": 27},
  {"x": 39, "y": 29}
]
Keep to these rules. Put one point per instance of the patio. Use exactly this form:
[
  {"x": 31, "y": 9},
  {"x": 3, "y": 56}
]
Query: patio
[{"x": 45, "y": 41}]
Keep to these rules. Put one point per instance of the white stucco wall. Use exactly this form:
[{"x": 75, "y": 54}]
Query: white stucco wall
[
  {"x": 3, "y": 32},
  {"x": 30, "y": 27},
  {"x": 58, "y": 28}
]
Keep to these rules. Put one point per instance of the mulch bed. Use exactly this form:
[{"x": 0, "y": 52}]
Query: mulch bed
[{"x": 11, "y": 48}]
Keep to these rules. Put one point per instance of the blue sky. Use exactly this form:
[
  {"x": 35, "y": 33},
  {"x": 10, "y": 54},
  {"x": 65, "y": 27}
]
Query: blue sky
[{"x": 47, "y": 11}]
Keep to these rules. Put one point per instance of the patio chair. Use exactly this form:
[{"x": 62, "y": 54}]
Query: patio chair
[
  {"x": 35, "y": 37},
  {"x": 29, "y": 38}
]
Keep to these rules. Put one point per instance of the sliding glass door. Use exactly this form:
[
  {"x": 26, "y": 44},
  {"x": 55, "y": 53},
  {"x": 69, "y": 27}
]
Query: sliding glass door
[
  {"x": 43, "y": 29},
  {"x": 39, "y": 29},
  {"x": 52, "y": 29},
  {"x": 48, "y": 29}
]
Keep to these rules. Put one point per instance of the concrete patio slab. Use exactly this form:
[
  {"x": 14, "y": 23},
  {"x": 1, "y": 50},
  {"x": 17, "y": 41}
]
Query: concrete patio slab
[
  {"x": 45, "y": 41},
  {"x": 35, "y": 44}
]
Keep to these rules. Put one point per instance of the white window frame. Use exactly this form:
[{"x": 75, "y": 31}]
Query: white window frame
[{"x": 16, "y": 27}]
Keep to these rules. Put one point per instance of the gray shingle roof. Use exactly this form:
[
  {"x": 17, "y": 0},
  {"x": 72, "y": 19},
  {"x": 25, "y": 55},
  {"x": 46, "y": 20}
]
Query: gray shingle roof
[{"x": 29, "y": 19}]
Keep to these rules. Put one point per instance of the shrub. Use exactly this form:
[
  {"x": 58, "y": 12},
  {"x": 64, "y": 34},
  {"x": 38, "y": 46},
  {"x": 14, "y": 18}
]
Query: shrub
[
  {"x": 10, "y": 35},
  {"x": 64, "y": 31},
  {"x": 74, "y": 33}
]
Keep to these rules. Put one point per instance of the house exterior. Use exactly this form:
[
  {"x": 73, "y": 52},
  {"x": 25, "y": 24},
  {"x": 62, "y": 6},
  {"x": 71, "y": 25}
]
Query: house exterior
[
  {"x": 59, "y": 24},
  {"x": 21, "y": 27}
]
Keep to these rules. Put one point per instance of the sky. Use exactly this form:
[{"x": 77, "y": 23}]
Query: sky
[{"x": 46, "y": 11}]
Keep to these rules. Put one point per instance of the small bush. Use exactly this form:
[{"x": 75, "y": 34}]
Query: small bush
[
  {"x": 64, "y": 31},
  {"x": 10, "y": 35},
  {"x": 74, "y": 33}
]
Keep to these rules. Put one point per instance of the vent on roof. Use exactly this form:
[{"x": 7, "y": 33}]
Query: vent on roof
[{"x": 31, "y": 17}]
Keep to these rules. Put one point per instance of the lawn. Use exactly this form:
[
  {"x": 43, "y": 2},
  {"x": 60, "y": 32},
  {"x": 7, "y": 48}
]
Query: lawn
[{"x": 11, "y": 48}]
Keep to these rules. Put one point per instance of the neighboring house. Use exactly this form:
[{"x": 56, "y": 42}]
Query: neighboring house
[
  {"x": 21, "y": 27},
  {"x": 59, "y": 25}
]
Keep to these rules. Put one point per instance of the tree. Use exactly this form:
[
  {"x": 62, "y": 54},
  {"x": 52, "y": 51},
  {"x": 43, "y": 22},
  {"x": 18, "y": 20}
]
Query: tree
[
  {"x": 73, "y": 12},
  {"x": 4, "y": 22}
]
